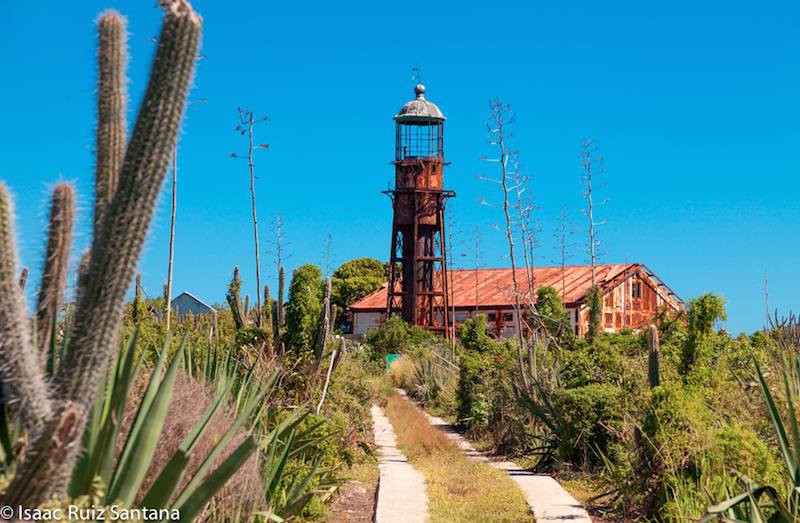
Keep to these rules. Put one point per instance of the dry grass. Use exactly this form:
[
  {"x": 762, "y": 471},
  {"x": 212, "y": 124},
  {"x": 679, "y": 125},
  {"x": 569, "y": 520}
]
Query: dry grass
[
  {"x": 402, "y": 375},
  {"x": 190, "y": 399},
  {"x": 459, "y": 490}
]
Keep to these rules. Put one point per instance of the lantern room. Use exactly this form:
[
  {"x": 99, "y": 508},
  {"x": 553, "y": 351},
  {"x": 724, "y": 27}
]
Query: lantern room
[{"x": 420, "y": 129}]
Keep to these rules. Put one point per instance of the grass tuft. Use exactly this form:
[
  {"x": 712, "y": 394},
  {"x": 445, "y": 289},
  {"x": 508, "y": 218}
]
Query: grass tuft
[{"x": 459, "y": 490}]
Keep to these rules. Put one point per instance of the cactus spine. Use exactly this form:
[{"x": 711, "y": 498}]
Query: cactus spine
[
  {"x": 55, "y": 418},
  {"x": 125, "y": 225},
  {"x": 653, "y": 357},
  {"x": 23, "y": 278},
  {"x": 56, "y": 263},
  {"x": 20, "y": 371},
  {"x": 110, "y": 134}
]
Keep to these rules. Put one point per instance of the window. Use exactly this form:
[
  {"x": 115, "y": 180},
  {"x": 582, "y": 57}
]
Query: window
[
  {"x": 508, "y": 316},
  {"x": 491, "y": 316},
  {"x": 636, "y": 290}
]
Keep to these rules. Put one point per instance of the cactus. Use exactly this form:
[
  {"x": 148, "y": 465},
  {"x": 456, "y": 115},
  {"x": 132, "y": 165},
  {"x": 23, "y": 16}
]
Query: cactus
[
  {"x": 20, "y": 372},
  {"x": 54, "y": 274},
  {"x": 110, "y": 134},
  {"x": 266, "y": 325},
  {"x": 334, "y": 313},
  {"x": 279, "y": 313},
  {"x": 653, "y": 357},
  {"x": 54, "y": 413},
  {"x": 235, "y": 301},
  {"x": 324, "y": 329},
  {"x": 137, "y": 312}
]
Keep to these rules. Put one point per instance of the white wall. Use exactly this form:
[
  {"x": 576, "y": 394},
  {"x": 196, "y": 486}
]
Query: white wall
[{"x": 364, "y": 321}]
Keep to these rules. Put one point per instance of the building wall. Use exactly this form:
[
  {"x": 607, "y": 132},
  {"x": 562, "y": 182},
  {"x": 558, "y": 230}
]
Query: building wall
[
  {"x": 364, "y": 321},
  {"x": 631, "y": 304},
  {"x": 185, "y": 303}
]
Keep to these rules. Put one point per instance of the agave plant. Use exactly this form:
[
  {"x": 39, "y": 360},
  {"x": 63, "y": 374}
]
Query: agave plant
[
  {"x": 125, "y": 474},
  {"x": 762, "y": 503}
]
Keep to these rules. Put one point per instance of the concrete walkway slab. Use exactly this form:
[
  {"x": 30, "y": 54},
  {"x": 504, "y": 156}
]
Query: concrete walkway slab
[
  {"x": 401, "y": 496},
  {"x": 548, "y": 500}
]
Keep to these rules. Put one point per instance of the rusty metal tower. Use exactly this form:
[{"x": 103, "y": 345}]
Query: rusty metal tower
[{"x": 418, "y": 258}]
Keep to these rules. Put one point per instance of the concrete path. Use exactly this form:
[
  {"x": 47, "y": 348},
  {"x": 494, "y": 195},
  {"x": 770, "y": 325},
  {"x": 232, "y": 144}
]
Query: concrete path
[
  {"x": 401, "y": 496},
  {"x": 548, "y": 500}
]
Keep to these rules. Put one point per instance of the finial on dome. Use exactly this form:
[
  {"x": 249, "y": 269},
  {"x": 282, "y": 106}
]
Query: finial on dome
[{"x": 419, "y": 90}]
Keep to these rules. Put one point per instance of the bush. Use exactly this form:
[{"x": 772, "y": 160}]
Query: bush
[
  {"x": 395, "y": 336},
  {"x": 590, "y": 417},
  {"x": 472, "y": 404},
  {"x": 402, "y": 372},
  {"x": 304, "y": 308}
]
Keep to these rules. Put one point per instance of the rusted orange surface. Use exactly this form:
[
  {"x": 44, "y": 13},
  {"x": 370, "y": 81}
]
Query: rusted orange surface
[{"x": 494, "y": 287}]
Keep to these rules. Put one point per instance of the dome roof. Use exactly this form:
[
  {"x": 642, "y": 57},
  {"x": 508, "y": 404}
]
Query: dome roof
[{"x": 419, "y": 109}]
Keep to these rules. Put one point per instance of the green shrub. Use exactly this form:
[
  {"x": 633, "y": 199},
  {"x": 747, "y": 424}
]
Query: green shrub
[
  {"x": 590, "y": 416},
  {"x": 554, "y": 316},
  {"x": 395, "y": 336},
  {"x": 472, "y": 403},
  {"x": 304, "y": 308}
]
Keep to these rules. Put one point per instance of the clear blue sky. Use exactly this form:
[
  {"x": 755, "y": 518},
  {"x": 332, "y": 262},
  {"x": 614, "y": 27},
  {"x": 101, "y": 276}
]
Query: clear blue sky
[{"x": 694, "y": 105}]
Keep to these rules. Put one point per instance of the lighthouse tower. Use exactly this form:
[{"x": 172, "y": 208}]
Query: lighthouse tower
[{"x": 418, "y": 259}]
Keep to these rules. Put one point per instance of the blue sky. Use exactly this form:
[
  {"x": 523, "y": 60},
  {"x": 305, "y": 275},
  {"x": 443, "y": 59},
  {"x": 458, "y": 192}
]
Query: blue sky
[{"x": 694, "y": 105}]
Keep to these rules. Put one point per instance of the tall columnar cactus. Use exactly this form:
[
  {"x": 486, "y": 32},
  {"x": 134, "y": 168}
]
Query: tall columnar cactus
[
  {"x": 56, "y": 263},
  {"x": 112, "y": 61},
  {"x": 235, "y": 301},
  {"x": 266, "y": 316},
  {"x": 279, "y": 312},
  {"x": 653, "y": 355},
  {"x": 54, "y": 414},
  {"x": 23, "y": 382},
  {"x": 324, "y": 328}
]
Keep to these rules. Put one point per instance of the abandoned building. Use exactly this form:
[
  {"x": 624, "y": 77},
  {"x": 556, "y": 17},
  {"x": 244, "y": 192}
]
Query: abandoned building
[
  {"x": 632, "y": 294},
  {"x": 421, "y": 289}
]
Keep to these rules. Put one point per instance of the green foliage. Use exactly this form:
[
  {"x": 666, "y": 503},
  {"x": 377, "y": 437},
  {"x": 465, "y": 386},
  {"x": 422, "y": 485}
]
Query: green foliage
[
  {"x": 553, "y": 313},
  {"x": 395, "y": 336},
  {"x": 355, "y": 279},
  {"x": 779, "y": 506},
  {"x": 589, "y": 417},
  {"x": 698, "y": 349},
  {"x": 434, "y": 381},
  {"x": 704, "y": 313},
  {"x": 473, "y": 334},
  {"x": 124, "y": 474},
  {"x": 304, "y": 308},
  {"x": 594, "y": 301},
  {"x": 473, "y": 408}
]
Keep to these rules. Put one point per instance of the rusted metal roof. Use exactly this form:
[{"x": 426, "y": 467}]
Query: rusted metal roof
[
  {"x": 494, "y": 287},
  {"x": 419, "y": 109}
]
